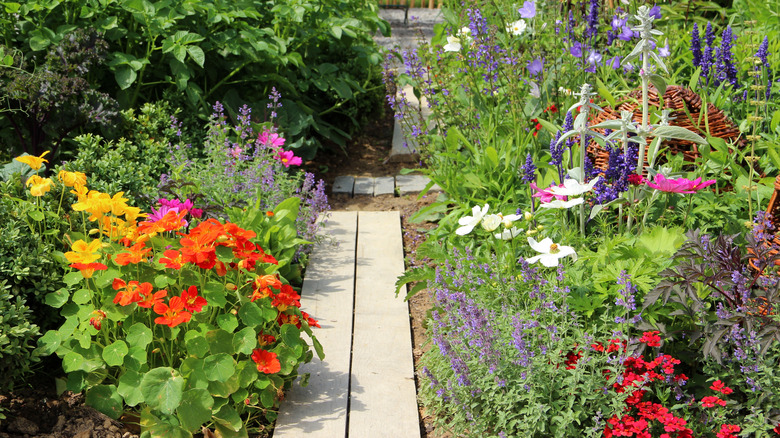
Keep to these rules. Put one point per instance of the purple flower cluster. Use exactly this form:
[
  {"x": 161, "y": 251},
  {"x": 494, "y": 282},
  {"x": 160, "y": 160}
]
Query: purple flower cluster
[
  {"x": 528, "y": 170},
  {"x": 726, "y": 71},
  {"x": 615, "y": 178},
  {"x": 763, "y": 55}
]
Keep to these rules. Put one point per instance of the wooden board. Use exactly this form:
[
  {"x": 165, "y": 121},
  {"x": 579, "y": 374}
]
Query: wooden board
[
  {"x": 320, "y": 409},
  {"x": 383, "y": 399}
]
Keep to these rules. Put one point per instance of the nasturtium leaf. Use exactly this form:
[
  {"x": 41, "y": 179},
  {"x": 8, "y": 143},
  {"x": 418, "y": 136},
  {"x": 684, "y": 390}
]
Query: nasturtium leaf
[
  {"x": 197, "y": 346},
  {"x": 240, "y": 395},
  {"x": 114, "y": 353},
  {"x": 227, "y": 416},
  {"x": 245, "y": 340},
  {"x": 247, "y": 373},
  {"x": 162, "y": 389},
  {"x": 262, "y": 381},
  {"x": 72, "y": 362},
  {"x": 195, "y": 409},
  {"x": 251, "y": 315},
  {"x": 290, "y": 335},
  {"x": 223, "y": 389},
  {"x": 228, "y": 432},
  {"x": 77, "y": 381},
  {"x": 82, "y": 296},
  {"x": 72, "y": 278},
  {"x": 168, "y": 430},
  {"x": 220, "y": 341},
  {"x": 214, "y": 293},
  {"x": 130, "y": 387},
  {"x": 227, "y": 322},
  {"x": 49, "y": 343},
  {"x": 139, "y": 335},
  {"x": 36, "y": 215},
  {"x": 105, "y": 278},
  {"x": 219, "y": 367},
  {"x": 105, "y": 399},
  {"x": 224, "y": 254},
  {"x": 57, "y": 298},
  {"x": 268, "y": 397},
  {"x": 162, "y": 281},
  {"x": 136, "y": 357}
]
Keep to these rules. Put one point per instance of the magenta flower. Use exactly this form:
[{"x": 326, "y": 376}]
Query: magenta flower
[
  {"x": 545, "y": 195},
  {"x": 288, "y": 158},
  {"x": 679, "y": 185},
  {"x": 271, "y": 139}
]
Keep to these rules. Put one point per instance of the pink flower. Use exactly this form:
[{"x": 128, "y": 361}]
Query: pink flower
[
  {"x": 270, "y": 139},
  {"x": 546, "y": 195},
  {"x": 680, "y": 185},
  {"x": 697, "y": 185},
  {"x": 288, "y": 158}
]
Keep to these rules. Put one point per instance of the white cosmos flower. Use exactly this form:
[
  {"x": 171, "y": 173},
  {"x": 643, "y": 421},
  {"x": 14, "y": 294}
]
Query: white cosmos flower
[
  {"x": 557, "y": 203},
  {"x": 469, "y": 222},
  {"x": 491, "y": 222},
  {"x": 572, "y": 187},
  {"x": 550, "y": 252},
  {"x": 509, "y": 233},
  {"x": 517, "y": 28},
  {"x": 509, "y": 219},
  {"x": 453, "y": 44}
]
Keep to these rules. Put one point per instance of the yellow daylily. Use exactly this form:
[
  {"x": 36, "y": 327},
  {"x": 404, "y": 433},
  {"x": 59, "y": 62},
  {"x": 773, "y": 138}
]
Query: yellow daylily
[
  {"x": 32, "y": 160},
  {"x": 39, "y": 186}
]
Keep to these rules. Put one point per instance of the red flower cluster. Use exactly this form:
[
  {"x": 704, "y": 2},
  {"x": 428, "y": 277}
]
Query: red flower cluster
[
  {"x": 200, "y": 245},
  {"x": 728, "y": 431},
  {"x": 651, "y": 339},
  {"x": 266, "y": 361},
  {"x": 537, "y": 126}
]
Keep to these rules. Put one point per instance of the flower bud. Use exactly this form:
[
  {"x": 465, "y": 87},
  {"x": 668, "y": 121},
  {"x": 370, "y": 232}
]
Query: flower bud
[{"x": 528, "y": 215}]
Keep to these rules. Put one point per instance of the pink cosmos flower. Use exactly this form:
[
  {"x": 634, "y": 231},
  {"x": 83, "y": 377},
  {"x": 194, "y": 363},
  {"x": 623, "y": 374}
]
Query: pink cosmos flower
[
  {"x": 270, "y": 139},
  {"x": 288, "y": 158},
  {"x": 679, "y": 185},
  {"x": 546, "y": 195}
]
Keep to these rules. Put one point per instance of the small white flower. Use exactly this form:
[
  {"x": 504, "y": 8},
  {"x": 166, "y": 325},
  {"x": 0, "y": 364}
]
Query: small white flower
[
  {"x": 469, "y": 222},
  {"x": 509, "y": 233},
  {"x": 453, "y": 44},
  {"x": 517, "y": 28},
  {"x": 557, "y": 203},
  {"x": 572, "y": 187},
  {"x": 465, "y": 32},
  {"x": 491, "y": 222},
  {"x": 509, "y": 219},
  {"x": 550, "y": 252}
]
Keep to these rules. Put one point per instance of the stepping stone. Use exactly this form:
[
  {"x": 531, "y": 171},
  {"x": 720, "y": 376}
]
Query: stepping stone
[
  {"x": 343, "y": 185},
  {"x": 320, "y": 409},
  {"x": 383, "y": 398},
  {"x": 384, "y": 185},
  {"x": 364, "y": 186},
  {"x": 414, "y": 184}
]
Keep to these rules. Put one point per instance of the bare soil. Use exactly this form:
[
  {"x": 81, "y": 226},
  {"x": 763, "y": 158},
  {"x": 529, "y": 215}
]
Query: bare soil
[{"x": 37, "y": 410}]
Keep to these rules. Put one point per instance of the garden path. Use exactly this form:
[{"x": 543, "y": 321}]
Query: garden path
[{"x": 365, "y": 386}]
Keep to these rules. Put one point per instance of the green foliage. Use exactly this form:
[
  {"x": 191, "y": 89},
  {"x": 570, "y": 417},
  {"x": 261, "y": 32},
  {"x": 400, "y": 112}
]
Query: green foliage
[
  {"x": 18, "y": 335},
  {"x": 133, "y": 163},
  {"x": 320, "y": 54}
]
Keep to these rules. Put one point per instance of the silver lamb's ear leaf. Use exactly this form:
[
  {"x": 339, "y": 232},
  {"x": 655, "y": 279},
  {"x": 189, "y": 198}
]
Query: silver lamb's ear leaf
[
  {"x": 659, "y": 61},
  {"x": 634, "y": 53},
  {"x": 679, "y": 133},
  {"x": 659, "y": 83},
  {"x": 608, "y": 124},
  {"x": 581, "y": 121},
  {"x": 566, "y": 135}
]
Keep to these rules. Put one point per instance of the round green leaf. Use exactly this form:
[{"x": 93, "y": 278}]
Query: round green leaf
[
  {"x": 125, "y": 76},
  {"x": 162, "y": 389},
  {"x": 139, "y": 335},
  {"x": 130, "y": 388},
  {"x": 228, "y": 417},
  {"x": 291, "y": 335},
  {"x": 227, "y": 322},
  {"x": 35, "y": 215},
  {"x": 245, "y": 341},
  {"x": 72, "y": 362},
  {"x": 197, "y": 346},
  {"x": 49, "y": 343},
  {"x": 195, "y": 409},
  {"x": 105, "y": 399},
  {"x": 82, "y": 296},
  {"x": 57, "y": 298},
  {"x": 220, "y": 341},
  {"x": 219, "y": 367},
  {"x": 251, "y": 314},
  {"x": 114, "y": 354},
  {"x": 72, "y": 278}
]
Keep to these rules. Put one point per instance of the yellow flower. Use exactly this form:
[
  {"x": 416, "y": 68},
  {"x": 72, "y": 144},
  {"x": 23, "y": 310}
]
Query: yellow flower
[
  {"x": 32, "y": 160},
  {"x": 39, "y": 186},
  {"x": 83, "y": 252},
  {"x": 72, "y": 179}
]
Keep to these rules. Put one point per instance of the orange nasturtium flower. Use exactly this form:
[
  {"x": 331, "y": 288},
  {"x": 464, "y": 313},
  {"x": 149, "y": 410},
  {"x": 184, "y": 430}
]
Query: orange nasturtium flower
[
  {"x": 72, "y": 179},
  {"x": 137, "y": 254},
  {"x": 192, "y": 301},
  {"x": 266, "y": 361},
  {"x": 172, "y": 259},
  {"x": 149, "y": 299},
  {"x": 32, "y": 160},
  {"x": 83, "y": 252},
  {"x": 39, "y": 186},
  {"x": 172, "y": 313},
  {"x": 88, "y": 269},
  {"x": 263, "y": 339},
  {"x": 261, "y": 287},
  {"x": 97, "y": 318},
  {"x": 286, "y": 298},
  {"x": 129, "y": 293}
]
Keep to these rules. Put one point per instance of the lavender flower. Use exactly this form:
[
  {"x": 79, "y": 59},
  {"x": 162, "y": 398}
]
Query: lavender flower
[
  {"x": 593, "y": 19},
  {"x": 708, "y": 57},
  {"x": 528, "y": 170},
  {"x": 696, "y": 46},
  {"x": 727, "y": 71}
]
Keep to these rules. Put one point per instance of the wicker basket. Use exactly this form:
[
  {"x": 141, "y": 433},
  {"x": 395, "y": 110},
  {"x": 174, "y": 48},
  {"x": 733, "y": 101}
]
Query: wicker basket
[{"x": 677, "y": 99}]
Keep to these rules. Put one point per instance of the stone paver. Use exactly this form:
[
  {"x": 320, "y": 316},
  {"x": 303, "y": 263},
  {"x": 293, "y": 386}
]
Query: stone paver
[
  {"x": 413, "y": 184},
  {"x": 384, "y": 185},
  {"x": 343, "y": 184},
  {"x": 364, "y": 186}
]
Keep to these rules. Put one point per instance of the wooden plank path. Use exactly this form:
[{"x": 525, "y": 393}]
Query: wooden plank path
[{"x": 365, "y": 385}]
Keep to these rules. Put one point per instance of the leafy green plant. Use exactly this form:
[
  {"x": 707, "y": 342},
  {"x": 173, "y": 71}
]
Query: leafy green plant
[{"x": 18, "y": 335}]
